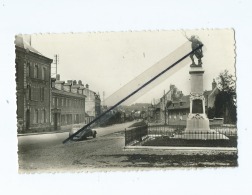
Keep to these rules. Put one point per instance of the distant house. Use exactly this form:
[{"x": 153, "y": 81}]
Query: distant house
[
  {"x": 92, "y": 104},
  {"x": 67, "y": 104},
  {"x": 179, "y": 109},
  {"x": 158, "y": 112}
]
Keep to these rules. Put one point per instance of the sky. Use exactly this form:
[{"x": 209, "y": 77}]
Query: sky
[{"x": 109, "y": 60}]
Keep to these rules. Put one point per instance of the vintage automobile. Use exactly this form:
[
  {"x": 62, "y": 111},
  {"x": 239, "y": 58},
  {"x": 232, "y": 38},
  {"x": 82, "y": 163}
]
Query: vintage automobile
[{"x": 88, "y": 132}]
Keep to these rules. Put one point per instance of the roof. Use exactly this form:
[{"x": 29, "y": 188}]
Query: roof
[
  {"x": 186, "y": 100},
  {"x": 207, "y": 93},
  {"x": 59, "y": 82},
  {"x": 66, "y": 93},
  {"x": 177, "y": 106},
  {"x": 77, "y": 86},
  {"x": 20, "y": 41}
]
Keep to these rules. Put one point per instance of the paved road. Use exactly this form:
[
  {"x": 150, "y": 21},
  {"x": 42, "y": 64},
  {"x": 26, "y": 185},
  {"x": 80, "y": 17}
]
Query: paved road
[
  {"x": 47, "y": 153},
  {"x": 41, "y": 141}
]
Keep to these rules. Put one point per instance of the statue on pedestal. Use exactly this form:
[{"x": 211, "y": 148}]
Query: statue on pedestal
[{"x": 198, "y": 53}]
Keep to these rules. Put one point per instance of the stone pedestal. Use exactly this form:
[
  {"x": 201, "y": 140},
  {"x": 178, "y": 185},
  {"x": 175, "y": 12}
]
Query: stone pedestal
[
  {"x": 197, "y": 124},
  {"x": 197, "y": 119}
]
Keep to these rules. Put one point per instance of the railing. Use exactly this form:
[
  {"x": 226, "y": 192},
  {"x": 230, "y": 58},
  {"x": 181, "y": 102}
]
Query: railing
[
  {"x": 174, "y": 135},
  {"x": 171, "y": 130},
  {"x": 135, "y": 134},
  {"x": 218, "y": 136}
]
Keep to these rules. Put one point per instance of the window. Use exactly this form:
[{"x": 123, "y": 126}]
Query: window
[
  {"x": 36, "y": 72},
  {"x": 43, "y": 73},
  {"x": 42, "y": 116},
  {"x": 44, "y": 113},
  {"x": 42, "y": 93},
  {"x": 53, "y": 103},
  {"x": 28, "y": 92},
  {"x": 36, "y": 116},
  {"x": 181, "y": 103},
  {"x": 28, "y": 69}
]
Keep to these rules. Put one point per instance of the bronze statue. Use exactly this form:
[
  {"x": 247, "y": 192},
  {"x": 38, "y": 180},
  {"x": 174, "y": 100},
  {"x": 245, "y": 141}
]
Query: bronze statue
[{"x": 198, "y": 53}]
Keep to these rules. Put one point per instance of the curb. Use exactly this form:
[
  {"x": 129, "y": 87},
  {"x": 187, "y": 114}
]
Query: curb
[
  {"x": 41, "y": 133},
  {"x": 230, "y": 149}
]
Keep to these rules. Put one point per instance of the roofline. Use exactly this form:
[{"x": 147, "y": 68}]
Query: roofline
[
  {"x": 33, "y": 53},
  {"x": 54, "y": 90}
]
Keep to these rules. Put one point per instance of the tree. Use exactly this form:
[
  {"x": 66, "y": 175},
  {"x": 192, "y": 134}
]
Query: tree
[{"x": 225, "y": 101}]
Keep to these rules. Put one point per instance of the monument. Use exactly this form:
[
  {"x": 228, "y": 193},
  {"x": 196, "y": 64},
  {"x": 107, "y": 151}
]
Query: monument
[
  {"x": 197, "y": 119},
  {"x": 197, "y": 124}
]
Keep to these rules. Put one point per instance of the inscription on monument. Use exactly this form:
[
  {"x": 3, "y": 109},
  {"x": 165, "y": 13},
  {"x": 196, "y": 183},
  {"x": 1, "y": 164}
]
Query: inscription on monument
[{"x": 197, "y": 106}]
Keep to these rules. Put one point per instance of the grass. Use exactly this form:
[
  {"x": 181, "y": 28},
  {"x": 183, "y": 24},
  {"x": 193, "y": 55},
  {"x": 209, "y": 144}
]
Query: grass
[{"x": 166, "y": 141}]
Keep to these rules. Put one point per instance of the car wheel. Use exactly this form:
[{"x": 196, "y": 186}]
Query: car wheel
[{"x": 94, "y": 135}]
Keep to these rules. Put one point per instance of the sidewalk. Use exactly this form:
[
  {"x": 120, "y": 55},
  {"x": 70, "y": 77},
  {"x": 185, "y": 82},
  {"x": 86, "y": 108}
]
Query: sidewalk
[{"x": 41, "y": 133}]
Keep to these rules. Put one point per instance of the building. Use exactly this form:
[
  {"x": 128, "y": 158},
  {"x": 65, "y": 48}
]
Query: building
[
  {"x": 173, "y": 94},
  {"x": 179, "y": 109},
  {"x": 158, "y": 112},
  {"x": 33, "y": 72},
  {"x": 92, "y": 104},
  {"x": 67, "y": 103}
]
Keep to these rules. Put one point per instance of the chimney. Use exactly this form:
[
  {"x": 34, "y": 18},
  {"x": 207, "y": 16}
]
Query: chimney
[
  {"x": 74, "y": 82},
  {"x": 214, "y": 84},
  {"x": 58, "y": 77},
  {"x": 87, "y": 86},
  {"x": 80, "y": 82},
  {"x": 59, "y": 85},
  {"x": 53, "y": 82}
]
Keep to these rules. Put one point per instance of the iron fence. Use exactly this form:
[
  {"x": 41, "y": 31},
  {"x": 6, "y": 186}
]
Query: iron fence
[
  {"x": 178, "y": 131},
  {"x": 175, "y": 135},
  {"x": 135, "y": 134}
]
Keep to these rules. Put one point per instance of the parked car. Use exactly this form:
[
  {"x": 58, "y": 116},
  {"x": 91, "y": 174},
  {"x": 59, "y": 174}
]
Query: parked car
[{"x": 88, "y": 132}]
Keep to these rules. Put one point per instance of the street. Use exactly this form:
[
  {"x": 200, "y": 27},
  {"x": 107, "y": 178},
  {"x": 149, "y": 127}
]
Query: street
[
  {"x": 48, "y": 140},
  {"x": 45, "y": 152}
]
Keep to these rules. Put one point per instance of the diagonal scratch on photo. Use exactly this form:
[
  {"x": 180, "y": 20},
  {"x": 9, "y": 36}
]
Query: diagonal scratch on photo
[{"x": 126, "y": 100}]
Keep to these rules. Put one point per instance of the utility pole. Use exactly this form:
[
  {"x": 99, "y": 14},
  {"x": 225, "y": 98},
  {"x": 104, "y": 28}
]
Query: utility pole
[{"x": 54, "y": 67}]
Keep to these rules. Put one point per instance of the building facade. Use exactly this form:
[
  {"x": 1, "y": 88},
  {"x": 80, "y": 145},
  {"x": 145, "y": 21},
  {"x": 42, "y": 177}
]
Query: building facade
[
  {"x": 158, "y": 112},
  {"x": 33, "y": 72},
  {"x": 179, "y": 109},
  {"x": 67, "y": 104},
  {"x": 92, "y": 103}
]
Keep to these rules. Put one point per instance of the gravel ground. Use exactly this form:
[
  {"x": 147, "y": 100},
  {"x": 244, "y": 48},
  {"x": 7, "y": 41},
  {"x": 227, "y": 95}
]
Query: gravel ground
[{"x": 107, "y": 153}]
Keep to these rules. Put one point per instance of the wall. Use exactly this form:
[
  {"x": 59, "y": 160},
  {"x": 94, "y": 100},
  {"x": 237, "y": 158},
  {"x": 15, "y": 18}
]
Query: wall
[{"x": 33, "y": 91}]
